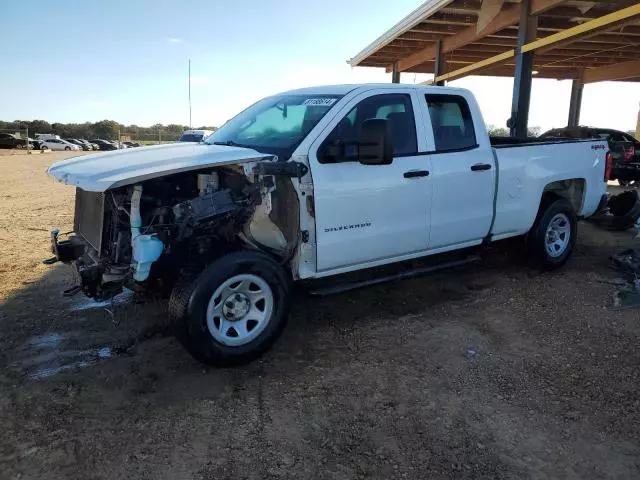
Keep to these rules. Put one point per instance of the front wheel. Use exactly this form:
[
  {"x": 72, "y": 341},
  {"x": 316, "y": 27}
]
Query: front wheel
[
  {"x": 234, "y": 310},
  {"x": 19, "y": 146},
  {"x": 67, "y": 148},
  {"x": 553, "y": 236}
]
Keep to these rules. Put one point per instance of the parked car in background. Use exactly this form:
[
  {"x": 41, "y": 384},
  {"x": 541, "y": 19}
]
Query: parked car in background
[
  {"x": 11, "y": 140},
  {"x": 625, "y": 149},
  {"x": 75, "y": 141},
  {"x": 104, "y": 144},
  {"x": 59, "y": 144},
  {"x": 95, "y": 146},
  {"x": 131, "y": 144},
  {"x": 194, "y": 135},
  {"x": 89, "y": 145},
  {"x": 37, "y": 144}
]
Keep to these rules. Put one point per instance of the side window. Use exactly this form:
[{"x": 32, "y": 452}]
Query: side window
[
  {"x": 395, "y": 108},
  {"x": 451, "y": 121}
]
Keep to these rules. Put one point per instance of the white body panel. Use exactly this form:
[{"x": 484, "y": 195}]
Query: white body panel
[
  {"x": 459, "y": 201},
  {"x": 100, "y": 171},
  {"x": 526, "y": 170}
]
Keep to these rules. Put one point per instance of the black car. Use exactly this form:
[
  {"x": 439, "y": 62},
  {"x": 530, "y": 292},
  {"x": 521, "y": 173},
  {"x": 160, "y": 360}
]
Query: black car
[
  {"x": 624, "y": 148},
  {"x": 10, "y": 140},
  {"x": 131, "y": 144},
  {"x": 104, "y": 144}
]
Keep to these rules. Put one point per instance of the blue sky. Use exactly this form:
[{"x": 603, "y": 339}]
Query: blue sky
[{"x": 76, "y": 61}]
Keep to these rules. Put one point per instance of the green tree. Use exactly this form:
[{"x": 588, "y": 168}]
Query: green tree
[
  {"x": 107, "y": 129},
  {"x": 497, "y": 131},
  {"x": 39, "y": 126},
  {"x": 534, "y": 131}
]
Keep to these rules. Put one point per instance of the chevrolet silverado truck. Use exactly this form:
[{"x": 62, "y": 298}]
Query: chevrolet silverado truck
[{"x": 310, "y": 184}]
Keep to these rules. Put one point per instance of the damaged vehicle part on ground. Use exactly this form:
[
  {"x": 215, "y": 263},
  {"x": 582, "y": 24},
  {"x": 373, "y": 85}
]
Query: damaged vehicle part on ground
[
  {"x": 314, "y": 184},
  {"x": 619, "y": 212}
]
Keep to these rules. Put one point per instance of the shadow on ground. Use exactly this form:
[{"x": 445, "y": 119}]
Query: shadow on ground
[{"x": 493, "y": 371}]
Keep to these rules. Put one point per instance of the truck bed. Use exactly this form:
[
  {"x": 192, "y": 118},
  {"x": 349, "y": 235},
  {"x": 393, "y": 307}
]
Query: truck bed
[{"x": 526, "y": 166}]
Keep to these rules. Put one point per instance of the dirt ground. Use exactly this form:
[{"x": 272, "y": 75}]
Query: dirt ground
[{"x": 494, "y": 371}]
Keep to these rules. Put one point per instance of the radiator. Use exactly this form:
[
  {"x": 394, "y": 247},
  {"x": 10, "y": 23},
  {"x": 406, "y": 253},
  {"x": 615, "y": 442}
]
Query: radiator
[{"x": 89, "y": 217}]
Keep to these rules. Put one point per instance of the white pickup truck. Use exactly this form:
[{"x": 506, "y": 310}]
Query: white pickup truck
[{"x": 315, "y": 183}]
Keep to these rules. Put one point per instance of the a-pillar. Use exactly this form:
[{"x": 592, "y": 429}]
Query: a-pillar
[
  {"x": 576, "y": 102},
  {"x": 527, "y": 32}
]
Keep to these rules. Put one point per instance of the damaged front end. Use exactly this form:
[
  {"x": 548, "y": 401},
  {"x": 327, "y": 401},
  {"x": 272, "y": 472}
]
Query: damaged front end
[{"x": 147, "y": 234}]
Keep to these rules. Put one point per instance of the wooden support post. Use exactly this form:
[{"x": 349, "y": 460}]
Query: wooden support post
[
  {"x": 440, "y": 67},
  {"x": 576, "y": 102},
  {"x": 395, "y": 74},
  {"x": 527, "y": 31}
]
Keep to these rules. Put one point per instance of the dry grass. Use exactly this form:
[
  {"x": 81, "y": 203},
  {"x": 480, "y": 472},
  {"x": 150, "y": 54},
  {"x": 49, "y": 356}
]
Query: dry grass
[{"x": 31, "y": 204}]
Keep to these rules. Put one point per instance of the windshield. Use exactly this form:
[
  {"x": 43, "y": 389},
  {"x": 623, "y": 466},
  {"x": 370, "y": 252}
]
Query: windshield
[
  {"x": 275, "y": 125},
  {"x": 191, "y": 137}
]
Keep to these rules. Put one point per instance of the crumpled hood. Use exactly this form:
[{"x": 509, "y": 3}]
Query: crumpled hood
[{"x": 101, "y": 171}]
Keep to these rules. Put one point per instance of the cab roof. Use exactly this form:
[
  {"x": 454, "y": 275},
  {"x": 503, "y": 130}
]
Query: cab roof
[{"x": 347, "y": 88}]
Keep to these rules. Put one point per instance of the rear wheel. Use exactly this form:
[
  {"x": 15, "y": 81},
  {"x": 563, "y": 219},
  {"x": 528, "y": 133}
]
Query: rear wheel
[
  {"x": 19, "y": 146},
  {"x": 67, "y": 148},
  {"x": 234, "y": 310},
  {"x": 553, "y": 236}
]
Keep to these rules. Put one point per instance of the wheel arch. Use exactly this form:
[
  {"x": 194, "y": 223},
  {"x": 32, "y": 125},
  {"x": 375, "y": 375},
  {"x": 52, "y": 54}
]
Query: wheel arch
[{"x": 573, "y": 190}]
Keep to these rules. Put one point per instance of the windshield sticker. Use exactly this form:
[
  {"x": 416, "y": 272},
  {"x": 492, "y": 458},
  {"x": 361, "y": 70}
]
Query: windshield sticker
[{"x": 320, "y": 102}]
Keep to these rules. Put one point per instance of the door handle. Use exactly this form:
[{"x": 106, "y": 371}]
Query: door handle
[
  {"x": 479, "y": 167},
  {"x": 416, "y": 173}
]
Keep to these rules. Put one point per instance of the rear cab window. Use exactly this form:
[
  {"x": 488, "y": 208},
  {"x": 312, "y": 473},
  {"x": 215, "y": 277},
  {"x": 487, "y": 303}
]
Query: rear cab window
[{"x": 451, "y": 122}]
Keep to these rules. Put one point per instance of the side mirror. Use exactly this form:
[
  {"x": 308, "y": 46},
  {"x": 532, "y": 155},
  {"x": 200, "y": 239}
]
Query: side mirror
[{"x": 375, "y": 146}]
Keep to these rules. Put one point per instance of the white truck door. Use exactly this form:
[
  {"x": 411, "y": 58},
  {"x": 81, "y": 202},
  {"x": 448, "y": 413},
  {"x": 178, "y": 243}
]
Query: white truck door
[
  {"x": 371, "y": 214},
  {"x": 463, "y": 173}
]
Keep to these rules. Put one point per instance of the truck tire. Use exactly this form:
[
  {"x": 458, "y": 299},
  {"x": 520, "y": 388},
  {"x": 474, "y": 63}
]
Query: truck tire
[
  {"x": 234, "y": 310},
  {"x": 553, "y": 236}
]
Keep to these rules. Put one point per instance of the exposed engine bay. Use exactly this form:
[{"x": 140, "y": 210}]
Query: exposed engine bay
[{"x": 155, "y": 230}]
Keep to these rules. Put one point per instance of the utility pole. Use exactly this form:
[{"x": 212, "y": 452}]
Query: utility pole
[{"x": 189, "y": 93}]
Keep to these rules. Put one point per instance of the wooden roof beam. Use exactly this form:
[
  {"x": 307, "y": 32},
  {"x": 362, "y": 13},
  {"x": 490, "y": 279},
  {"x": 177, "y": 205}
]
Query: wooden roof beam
[
  {"x": 613, "y": 20},
  {"x": 618, "y": 71},
  {"x": 507, "y": 17}
]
